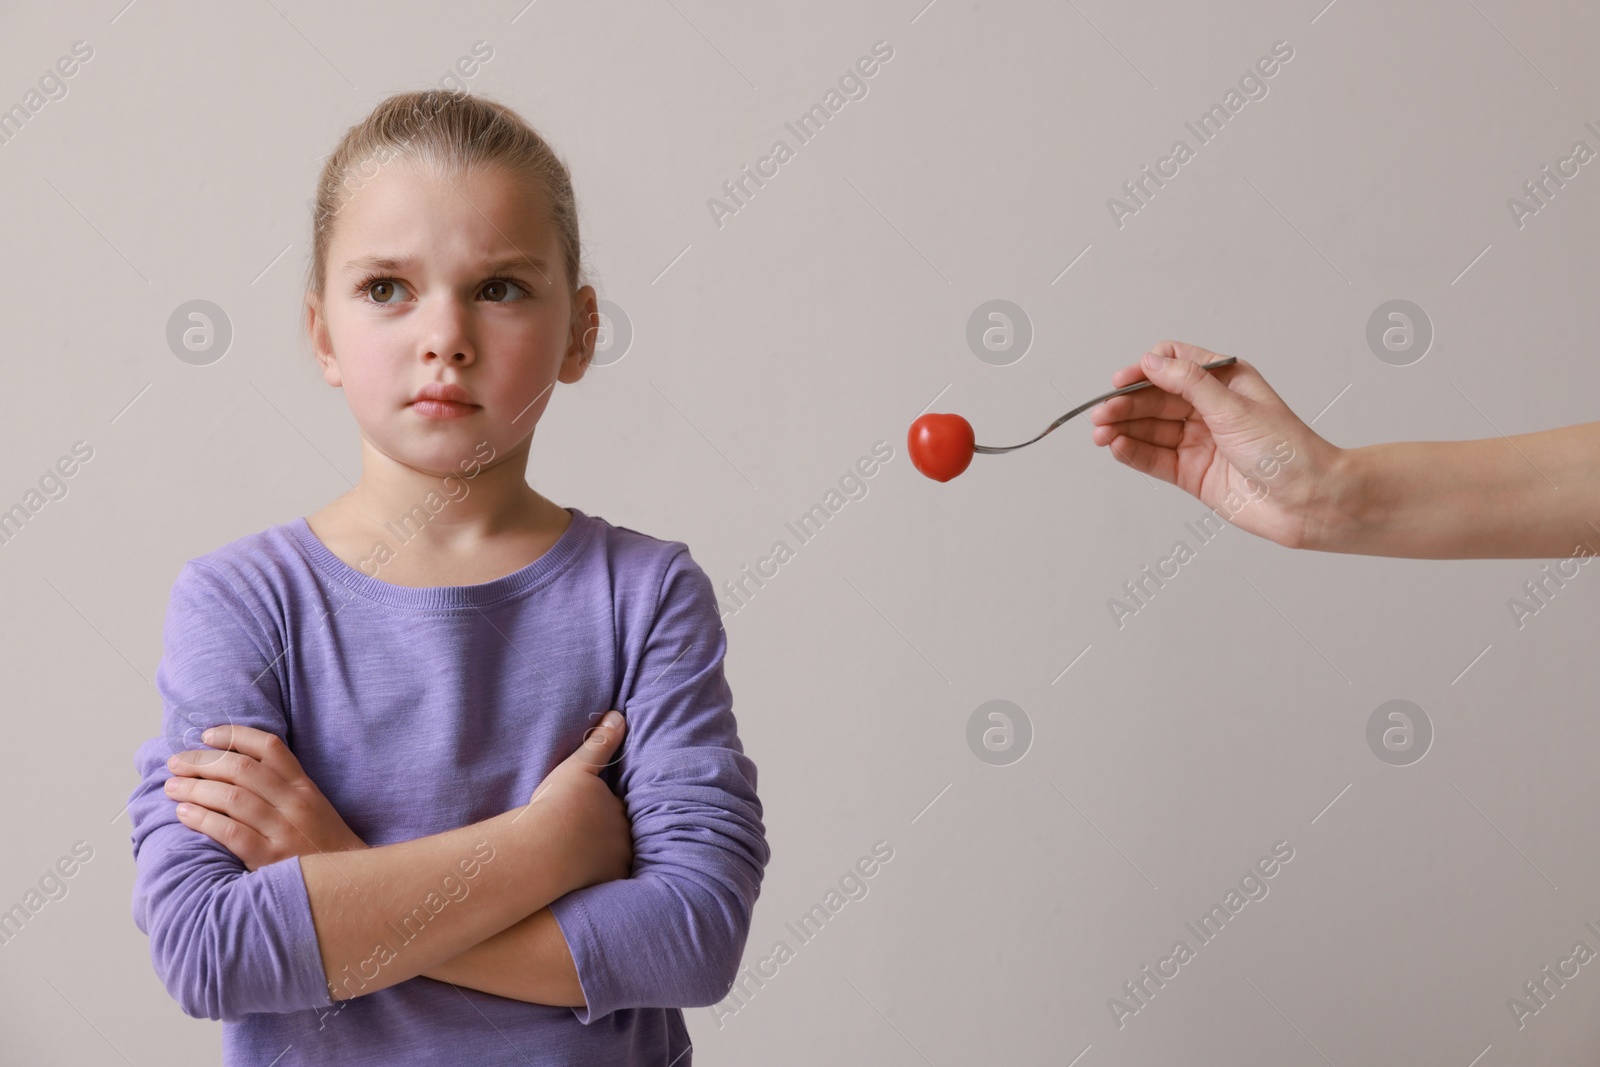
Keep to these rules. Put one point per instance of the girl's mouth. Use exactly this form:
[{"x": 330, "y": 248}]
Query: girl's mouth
[{"x": 443, "y": 409}]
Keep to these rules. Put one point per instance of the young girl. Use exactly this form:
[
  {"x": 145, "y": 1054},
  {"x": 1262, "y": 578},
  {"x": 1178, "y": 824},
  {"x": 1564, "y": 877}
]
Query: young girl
[{"x": 379, "y": 825}]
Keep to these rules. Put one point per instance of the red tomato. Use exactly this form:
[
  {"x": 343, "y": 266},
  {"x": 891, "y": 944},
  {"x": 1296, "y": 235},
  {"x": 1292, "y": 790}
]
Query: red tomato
[{"x": 940, "y": 445}]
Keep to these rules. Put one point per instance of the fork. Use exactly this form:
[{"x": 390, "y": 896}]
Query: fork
[{"x": 1081, "y": 408}]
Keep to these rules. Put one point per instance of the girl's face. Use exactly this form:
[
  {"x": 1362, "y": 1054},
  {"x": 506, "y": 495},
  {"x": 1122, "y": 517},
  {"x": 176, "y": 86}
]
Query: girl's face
[{"x": 456, "y": 280}]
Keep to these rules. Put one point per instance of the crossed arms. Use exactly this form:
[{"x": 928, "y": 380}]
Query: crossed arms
[
  {"x": 372, "y": 906},
  {"x": 303, "y": 930}
]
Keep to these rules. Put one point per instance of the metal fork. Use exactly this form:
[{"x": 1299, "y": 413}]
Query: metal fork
[{"x": 1081, "y": 408}]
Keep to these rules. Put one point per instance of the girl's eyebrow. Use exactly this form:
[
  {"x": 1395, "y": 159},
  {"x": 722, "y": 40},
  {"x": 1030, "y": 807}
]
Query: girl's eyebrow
[{"x": 363, "y": 264}]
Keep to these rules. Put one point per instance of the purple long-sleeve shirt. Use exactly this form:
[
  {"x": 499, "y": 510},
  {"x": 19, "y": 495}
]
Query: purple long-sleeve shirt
[{"x": 419, "y": 710}]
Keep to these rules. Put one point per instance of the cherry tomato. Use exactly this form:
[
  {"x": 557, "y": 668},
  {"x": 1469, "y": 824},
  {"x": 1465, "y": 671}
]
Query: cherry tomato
[{"x": 940, "y": 445}]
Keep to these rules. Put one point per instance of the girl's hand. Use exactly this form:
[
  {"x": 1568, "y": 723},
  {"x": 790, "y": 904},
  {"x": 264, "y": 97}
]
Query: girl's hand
[
  {"x": 1219, "y": 433},
  {"x": 594, "y": 834},
  {"x": 254, "y": 799}
]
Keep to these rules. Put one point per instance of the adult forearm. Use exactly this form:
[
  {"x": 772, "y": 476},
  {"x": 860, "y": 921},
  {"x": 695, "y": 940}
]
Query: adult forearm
[
  {"x": 1528, "y": 495},
  {"x": 527, "y": 961},
  {"x": 386, "y": 914}
]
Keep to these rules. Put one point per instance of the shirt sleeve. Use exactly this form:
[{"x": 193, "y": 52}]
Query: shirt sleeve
[
  {"x": 226, "y": 941},
  {"x": 672, "y": 934}
]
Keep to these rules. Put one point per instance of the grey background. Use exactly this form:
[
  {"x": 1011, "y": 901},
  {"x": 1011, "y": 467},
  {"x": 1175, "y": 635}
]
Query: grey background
[{"x": 768, "y": 356}]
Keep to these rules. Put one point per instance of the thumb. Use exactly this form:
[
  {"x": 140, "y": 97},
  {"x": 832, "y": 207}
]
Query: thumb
[
  {"x": 1212, "y": 400},
  {"x": 600, "y": 743}
]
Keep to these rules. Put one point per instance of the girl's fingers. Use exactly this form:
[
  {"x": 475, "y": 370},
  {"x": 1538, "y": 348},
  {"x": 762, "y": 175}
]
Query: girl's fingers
[
  {"x": 1164, "y": 433},
  {"x": 599, "y": 748},
  {"x": 234, "y": 768},
  {"x": 236, "y": 837},
  {"x": 236, "y": 802},
  {"x": 265, "y": 748}
]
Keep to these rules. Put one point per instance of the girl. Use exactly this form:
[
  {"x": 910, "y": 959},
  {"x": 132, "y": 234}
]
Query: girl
[{"x": 345, "y": 857}]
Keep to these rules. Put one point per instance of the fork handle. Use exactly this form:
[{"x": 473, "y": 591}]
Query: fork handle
[
  {"x": 1223, "y": 362},
  {"x": 1081, "y": 408}
]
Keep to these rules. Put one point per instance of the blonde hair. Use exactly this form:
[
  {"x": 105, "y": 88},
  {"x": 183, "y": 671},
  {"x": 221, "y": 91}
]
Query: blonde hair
[{"x": 445, "y": 131}]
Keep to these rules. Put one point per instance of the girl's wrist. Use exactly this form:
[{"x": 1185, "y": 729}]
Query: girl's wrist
[{"x": 533, "y": 835}]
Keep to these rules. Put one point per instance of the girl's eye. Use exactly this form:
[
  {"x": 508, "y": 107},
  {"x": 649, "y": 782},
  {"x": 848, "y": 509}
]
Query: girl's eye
[
  {"x": 374, "y": 288},
  {"x": 498, "y": 284},
  {"x": 381, "y": 291}
]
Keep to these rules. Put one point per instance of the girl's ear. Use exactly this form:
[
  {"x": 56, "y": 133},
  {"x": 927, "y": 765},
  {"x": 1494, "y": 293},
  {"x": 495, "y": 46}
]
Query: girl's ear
[
  {"x": 581, "y": 335},
  {"x": 321, "y": 343}
]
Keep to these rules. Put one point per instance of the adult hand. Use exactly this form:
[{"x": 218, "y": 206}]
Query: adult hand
[
  {"x": 1225, "y": 437},
  {"x": 594, "y": 836},
  {"x": 249, "y": 794}
]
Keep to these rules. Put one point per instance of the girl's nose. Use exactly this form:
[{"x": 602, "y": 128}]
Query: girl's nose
[
  {"x": 456, "y": 355},
  {"x": 447, "y": 336}
]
